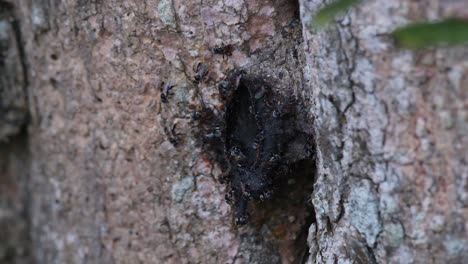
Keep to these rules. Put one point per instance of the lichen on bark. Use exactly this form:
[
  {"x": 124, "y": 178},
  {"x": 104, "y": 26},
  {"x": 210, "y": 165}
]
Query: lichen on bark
[{"x": 384, "y": 173}]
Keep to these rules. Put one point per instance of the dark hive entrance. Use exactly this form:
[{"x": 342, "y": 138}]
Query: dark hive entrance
[{"x": 267, "y": 161}]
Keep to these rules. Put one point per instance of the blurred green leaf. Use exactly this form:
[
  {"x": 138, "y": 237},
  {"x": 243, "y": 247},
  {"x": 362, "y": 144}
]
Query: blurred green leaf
[
  {"x": 450, "y": 31},
  {"x": 326, "y": 14}
]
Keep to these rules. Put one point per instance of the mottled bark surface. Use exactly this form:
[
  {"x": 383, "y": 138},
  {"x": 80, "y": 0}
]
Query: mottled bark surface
[
  {"x": 108, "y": 182},
  {"x": 13, "y": 79},
  {"x": 107, "y": 173},
  {"x": 391, "y": 130},
  {"x": 14, "y": 153}
]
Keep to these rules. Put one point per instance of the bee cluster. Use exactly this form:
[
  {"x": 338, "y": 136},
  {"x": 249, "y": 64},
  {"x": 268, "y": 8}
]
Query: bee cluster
[{"x": 249, "y": 136}]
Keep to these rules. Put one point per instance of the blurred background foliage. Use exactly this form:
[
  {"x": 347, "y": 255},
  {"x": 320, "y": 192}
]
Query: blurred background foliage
[{"x": 449, "y": 31}]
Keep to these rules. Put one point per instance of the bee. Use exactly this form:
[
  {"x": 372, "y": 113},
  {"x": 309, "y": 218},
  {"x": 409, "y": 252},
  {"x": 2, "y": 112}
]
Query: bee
[
  {"x": 165, "y": 88},
  {"x": 227, "y": 87},
  {"x": 195, "y": 116},
  {"x": 225, "y": 50},
  {"x": 172, "y": 135},
  {"x": 201, "y": 72}
]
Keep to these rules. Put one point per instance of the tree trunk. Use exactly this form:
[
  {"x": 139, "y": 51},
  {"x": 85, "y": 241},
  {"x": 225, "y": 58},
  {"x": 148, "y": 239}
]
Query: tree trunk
[
  {"x": 101, "y": 170},
  {"x": 391, "y": 131}
]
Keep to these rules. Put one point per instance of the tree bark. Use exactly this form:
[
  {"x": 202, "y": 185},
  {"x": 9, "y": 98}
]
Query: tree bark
[
  {"x": 105, "y": 172},
  {"x": 391, "y": 133}
]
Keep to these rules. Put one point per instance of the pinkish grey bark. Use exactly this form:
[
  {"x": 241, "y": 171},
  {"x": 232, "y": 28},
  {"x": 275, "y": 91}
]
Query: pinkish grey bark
[{"x": 101, "y": 181}]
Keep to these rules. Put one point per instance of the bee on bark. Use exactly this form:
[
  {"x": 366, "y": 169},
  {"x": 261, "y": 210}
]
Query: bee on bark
[
  {"x": 165, "y": 91},
  {"x": 201, "y": 72},
  {"x": 225, "y": 50}
]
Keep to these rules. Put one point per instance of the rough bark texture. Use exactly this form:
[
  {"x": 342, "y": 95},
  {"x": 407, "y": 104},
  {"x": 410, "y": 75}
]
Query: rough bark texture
[
  {"x": 14, "y": 152},
  {"x": 107, "y": 173},
  {"x": 391, "y": 131}
]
